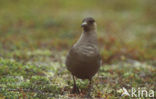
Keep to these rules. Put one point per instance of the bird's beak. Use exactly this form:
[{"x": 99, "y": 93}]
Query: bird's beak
[{"x": 84, "y": 24}]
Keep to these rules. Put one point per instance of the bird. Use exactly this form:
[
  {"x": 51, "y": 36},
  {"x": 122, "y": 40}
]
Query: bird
[{"x": 83, "y": 59}]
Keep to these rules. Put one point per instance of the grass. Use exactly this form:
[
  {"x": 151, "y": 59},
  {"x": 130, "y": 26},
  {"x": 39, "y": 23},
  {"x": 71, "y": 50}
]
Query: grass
[
  {"x": 36, "y": 35},
  {"x": 43, "y": 78}
]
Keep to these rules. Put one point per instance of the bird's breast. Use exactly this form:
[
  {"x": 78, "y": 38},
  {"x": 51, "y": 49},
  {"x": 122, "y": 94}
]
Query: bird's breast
[{"x": 88, "y": 50}]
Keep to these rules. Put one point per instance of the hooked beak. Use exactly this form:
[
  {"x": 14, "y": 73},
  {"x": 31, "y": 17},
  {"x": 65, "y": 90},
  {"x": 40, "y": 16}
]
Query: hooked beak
[{"x": 84, "y": 24}]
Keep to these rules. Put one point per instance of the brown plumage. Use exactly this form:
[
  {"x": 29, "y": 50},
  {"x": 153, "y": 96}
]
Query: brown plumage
[{"x": 83, "y": 59}]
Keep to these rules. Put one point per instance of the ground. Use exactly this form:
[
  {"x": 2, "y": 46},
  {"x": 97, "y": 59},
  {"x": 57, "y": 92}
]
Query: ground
[
  {"x": 36, "y": 35},
  {"x": 40, "y": 77}
]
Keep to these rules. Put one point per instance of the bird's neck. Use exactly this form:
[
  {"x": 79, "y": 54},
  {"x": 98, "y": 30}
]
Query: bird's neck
[
  {"x": 89, "y": 34},
  {"x": 89, "y": 37}
]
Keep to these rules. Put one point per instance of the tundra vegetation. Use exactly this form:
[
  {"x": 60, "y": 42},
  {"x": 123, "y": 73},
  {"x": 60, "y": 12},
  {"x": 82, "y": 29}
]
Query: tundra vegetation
[{"x": 35, "y": 36}]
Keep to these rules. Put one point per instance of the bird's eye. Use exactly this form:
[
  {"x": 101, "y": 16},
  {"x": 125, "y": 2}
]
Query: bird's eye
[{"x": 91, "y": 21}]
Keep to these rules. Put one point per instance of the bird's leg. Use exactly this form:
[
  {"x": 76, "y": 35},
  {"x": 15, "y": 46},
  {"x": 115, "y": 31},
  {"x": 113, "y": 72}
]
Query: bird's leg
[
  {"x": 75, "y": 88},
  {"x": 89, "y": 89}
]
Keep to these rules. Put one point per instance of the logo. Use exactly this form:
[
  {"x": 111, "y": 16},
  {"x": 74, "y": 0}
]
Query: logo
[
  {"x": 136, "y": 92},
  {"x": 125, "y": 92}
]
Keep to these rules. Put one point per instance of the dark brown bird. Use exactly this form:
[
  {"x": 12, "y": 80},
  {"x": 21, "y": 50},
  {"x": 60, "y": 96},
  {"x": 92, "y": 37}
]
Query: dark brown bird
[{"x": 83, "y": 59}]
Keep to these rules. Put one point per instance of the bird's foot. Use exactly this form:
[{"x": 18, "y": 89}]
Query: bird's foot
[
  {"x": 88, "y": 96},
  {"x": 89, "y": 91},
  {"x": 75, "y": 90}
]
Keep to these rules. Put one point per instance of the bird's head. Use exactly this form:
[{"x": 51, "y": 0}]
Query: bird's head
[{"x": 88, "y": 24}]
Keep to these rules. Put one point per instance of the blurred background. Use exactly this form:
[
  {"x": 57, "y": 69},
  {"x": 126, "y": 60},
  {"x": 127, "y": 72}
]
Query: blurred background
[
  {"x": 126, "y": 29},
  {"x": 35, "y": 36}
]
